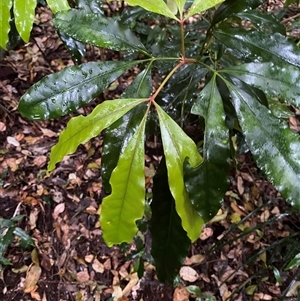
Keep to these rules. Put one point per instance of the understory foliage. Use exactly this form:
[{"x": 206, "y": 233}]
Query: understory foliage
[{"x": 225, "y": 68}]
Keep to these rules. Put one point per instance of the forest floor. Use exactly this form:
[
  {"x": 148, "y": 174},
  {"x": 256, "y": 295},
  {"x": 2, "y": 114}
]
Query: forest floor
[{"x": 241, "y": 255}]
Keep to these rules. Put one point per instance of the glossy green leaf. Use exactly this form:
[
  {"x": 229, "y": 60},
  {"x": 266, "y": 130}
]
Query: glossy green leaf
[
  {"x": 157, "y": 6},
  {"x": 278, "y": 109},
  {"x": 170, "y": 243},
  {"x": 177, "y": 147},
  {"x": 274, "y": 146},
  {"x": 5, "y": 6},
  {"x": 91, "y": 6},
  {"x": 24, "y": 13},
  {"x": 208, "y": 182},
  {"x": 65, "y": 91},
  {"x": 261, "y": 46},
  {"x": 58, "y": 5},
  {"x": 282, "y": 81},
  {"x": 125, "y": 205},
  {"x": 231, "y": 7},
  {"x": 97, "y": 30},
  {"x": 263, "y": 21},
  {"x": 81, "y": 129},
  {"x": 199, "y": 6},
  {"x": 120, "y": 132},
  {"x": 26, "y": 240},
  {"x": 76, "y": 48},
  {"x": 294, "y": 263}
]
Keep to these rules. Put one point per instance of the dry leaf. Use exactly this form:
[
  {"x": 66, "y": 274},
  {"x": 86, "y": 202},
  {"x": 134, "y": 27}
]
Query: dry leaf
[
  {"x": 181, "y": 294},
  {"x": 98, "y": 266},
  {"x": 12, "y": 140},
  {"x": 48, "y": 133},
  {"x": 134, "y": 279},
  {"x": 240, "y": 185},
  {"x": 2, "y": 127},
  {"x": 206, "y": 233},
  {"x": 60, "y": 208},
  {"x": 32, "y": 277},
  {"x": 83, "y": 276},
  {"x": 188, "y": 274},
  {"x": 40, "y": 161},
  {"x": 195, "y": 259}
]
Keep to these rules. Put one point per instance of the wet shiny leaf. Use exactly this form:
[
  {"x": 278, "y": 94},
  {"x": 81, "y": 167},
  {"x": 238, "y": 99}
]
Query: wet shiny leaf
[
  {"x": 208, "y": 182},
  {"x": 274, "y": 146},
  {"x": 231, "y": 7},
  {"x": 5, "y": 7},
  {"x": 120, "y": 132},
  {"x": 97, "y": 30},
  {"x": 260, "y": 46},
  {"x": 81, "y": 129},
  {"x": 24, "y": 13},
  {"x": 63, "y": 92},
  {"x": 177, "y": 147},
  {"x": 170, "y": 243},
  {"x": 282, "y": 80},
  {"x": 125, "y": 205}
]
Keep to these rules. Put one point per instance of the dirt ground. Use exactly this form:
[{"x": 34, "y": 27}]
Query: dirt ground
[{"x": 240, "y": 256}]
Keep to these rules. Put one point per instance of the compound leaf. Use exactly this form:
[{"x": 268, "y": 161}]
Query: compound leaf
[
  {"x": 5, "y": 6},
  {"x": 81, "y": 129},
  {"x": 125, "y": 205},
  {"x": 177, "y": 147},
  {"x": 170, "y": 243},
  {"x": 208, "y": 182},
  {"x": 65, "y": 91},
  {"x": 120, "y": 132},
  {"x": 274, "y": 146},
  {"x": 200, "y": 5},
  {"x": 97, "y": 30},
  {"x": 24, "y": 13},
  {"x": 282, "y": 81}
]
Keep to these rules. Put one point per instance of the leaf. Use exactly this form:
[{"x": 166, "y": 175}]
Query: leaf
[
  {"x": 260, "y": 45},
  {"x": 65, "y": 91},
  {"x": 24, "y": 13},
  {"x": 173, "y": 6},
  {"x": 120, "y": 132},
  {"x": 199, "y": 6},
  {"x": 98, "y": 30},
  {"x": 5, "y": 6},
  {"x": 81, "y": 129},
  {"x": 177, "y": 146},
  {"x": 282, "y": 81},
  {"x": 121, "y": 209},
  {"x": 157, "y": 6},
  {"x": 26, "y": 240},
  {"x": 208, "y": 182},
  {"x": 170, "y": 243},
  {"x": 274, "y": 146},
  {"x": 263, "y": 21},
  {"x": 294, "y": 263},
  {"x": 91, "y": 6},
  {"x": 231, "y": 7},
  {"x": 58, "y": 5}
]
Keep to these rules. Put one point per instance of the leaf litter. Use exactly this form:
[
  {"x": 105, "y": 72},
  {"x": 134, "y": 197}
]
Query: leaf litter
[{"x": 70, "y": 260}]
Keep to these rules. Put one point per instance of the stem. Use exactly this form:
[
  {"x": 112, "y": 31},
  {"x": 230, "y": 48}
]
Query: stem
[
  {"x": 182, "y": 37},
  {"x": 165, "y": 80}
]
